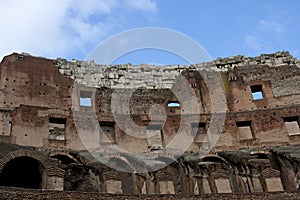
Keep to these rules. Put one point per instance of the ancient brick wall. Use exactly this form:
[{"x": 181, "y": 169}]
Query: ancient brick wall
[
  {"x": 41, "y": 106},
  {"x": 54, "y": 86}
]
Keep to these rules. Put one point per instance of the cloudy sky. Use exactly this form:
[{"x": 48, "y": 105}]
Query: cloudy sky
[{"x": 72, "y": 28}]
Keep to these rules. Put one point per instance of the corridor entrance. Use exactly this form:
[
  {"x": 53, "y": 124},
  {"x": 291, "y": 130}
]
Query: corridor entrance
[{"x": 24, "y": 172}]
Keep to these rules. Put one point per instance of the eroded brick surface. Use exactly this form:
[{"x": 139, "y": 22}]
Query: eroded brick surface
[{"x": 50, "y": 111}]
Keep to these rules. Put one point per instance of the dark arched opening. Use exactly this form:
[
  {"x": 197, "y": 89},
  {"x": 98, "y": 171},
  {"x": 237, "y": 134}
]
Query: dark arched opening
[
  {"x": 261, "y": 155},
  {"x": 24, "y": 172}
]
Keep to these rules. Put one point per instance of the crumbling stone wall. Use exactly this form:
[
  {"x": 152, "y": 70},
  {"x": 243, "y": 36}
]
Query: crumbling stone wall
[
  {"x": 236, "y": 172},
  {"x": 151, "y": 76},
  {"x": 39, "y": 96}
]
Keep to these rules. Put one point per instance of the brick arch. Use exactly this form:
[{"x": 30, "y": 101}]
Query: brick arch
[
  {"x": 260, "y": 154},
  {"x": 50, "y": 165},
  {"x": 123, "y": 160},
  {"x": 167, "y": 159},
  {"x": 216, "y": 158},
  {"x": 63, "y": 153}
]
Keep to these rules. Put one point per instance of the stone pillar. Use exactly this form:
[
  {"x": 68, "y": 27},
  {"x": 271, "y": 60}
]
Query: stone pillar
[
  {"x": 55, "y": 183},
  {"x": 287, "y": 175},
  {"x": 151, "y": 184}
]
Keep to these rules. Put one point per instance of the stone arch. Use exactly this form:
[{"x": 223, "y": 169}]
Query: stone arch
[
  {"x": 122, "y": 163},
  {"x": 129, "y": 164},
  {"x": 215, "y": 158},
  {"x": 260, "y": 155},
  {"x": 165, "y": 180},
  {"x": 120, "y": 176},
  {"x": 113, "y": 181},
  {"x": 272, "y": 181},
  {"x": 167, "y": 159},
  {"x": 49, "y": 167},
  {"x": 169, "y": 180},
  {"x": 63, "y": 156},
  {"x": 23, "y": 172},
  {"x": 216, "y": 175}
]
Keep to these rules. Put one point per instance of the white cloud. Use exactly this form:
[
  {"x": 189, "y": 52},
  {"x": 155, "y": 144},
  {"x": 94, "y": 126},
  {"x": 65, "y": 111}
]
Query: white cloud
[
  {"x": 271, "y": 25},
  {"x": 145, "y": 5},
  {"x": 267, "y": 33},
  {"x": 86, "y": 8},
  {"x": 60, "y": 28},
  {"x": 254, "y": 42},
  {"x": 28, "y": 25}
]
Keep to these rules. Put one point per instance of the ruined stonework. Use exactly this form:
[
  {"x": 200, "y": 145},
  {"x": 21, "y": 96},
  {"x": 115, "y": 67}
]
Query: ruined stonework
[{"x": 48, "y": 108}]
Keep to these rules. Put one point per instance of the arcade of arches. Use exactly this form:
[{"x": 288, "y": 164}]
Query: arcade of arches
[{"x": 228, "y": 172}]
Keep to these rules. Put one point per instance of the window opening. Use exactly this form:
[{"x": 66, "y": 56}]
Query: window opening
[
  {"x": 57, "y": 128},
  {"x": 200, "y": 130},
  {"x": 173, "y": 104},
  {"x": 257, "y": 92},
  {"x": 292, "y": 125},
  {"x": 86, "y": 98},
  {"x": 245, "y": 131}
]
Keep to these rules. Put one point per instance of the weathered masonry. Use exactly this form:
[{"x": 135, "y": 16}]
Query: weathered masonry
[{"x": 51, "y": 111}]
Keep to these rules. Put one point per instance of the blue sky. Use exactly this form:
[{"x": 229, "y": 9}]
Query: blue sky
[{"x": 61, "y": 28}]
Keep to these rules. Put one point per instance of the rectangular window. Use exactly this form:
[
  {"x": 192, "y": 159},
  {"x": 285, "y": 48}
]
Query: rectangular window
[
  {"x": 244, "y": 130},
  {"x": 292, "y": 125},
  {"x": 173, "y": 104},
  {"x": 57, "y": 128},
  {"x": 107, "y": 132},
  {"x": 154, "y": 137},
  {"x": 85, "y": 98},
  {"x": 257, "y": 92},
  {"x": 200, "y": 130}
]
